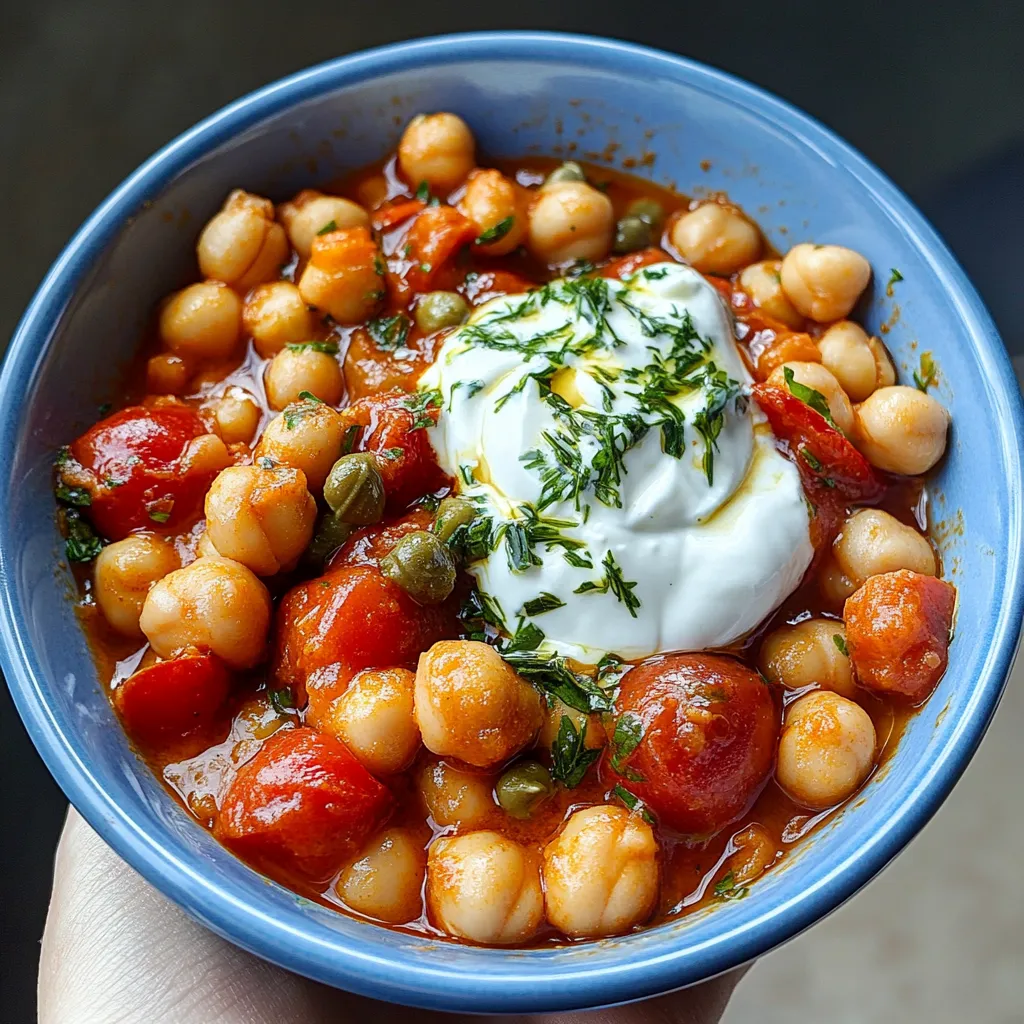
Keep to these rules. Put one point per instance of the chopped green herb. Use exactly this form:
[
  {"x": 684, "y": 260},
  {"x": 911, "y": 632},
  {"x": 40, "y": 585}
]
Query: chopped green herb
[
  {"x": 329, "y": 226},
  {"x": 81, "y": 543},
  {"x": 726, "y": 888},
  {"x": 815, "y": 463},
  {"x": 634, "y": 803},
  {"x": 894, "y": 278},
  {"x": 815, "y": 399},
  {"x": 927, "y": 375},
  {"x": 282, "y": 700},
  {"x": 840, "y": 642},
  {"x": 105, "y": 408},
  {"x": 614, "y": 582},
  {"x": 421, "y": 402},
  {"x": 77, "y": 496},
  {"x": 391, "y": 453},
  {"x": 390, "y": 332},
  {"x": 265, "y": 462},
  {"x": 329, "y": 348},
  {"x": 426, "y": 268},
  {"x": 423, "y": 192},
  {"x": 545, "y": 602},
  {"x": 649, "y": 274},
  {"x": 471, "y": 387},
  {"x": 160, "y": 515},
  {"x": 497, "y": 232},
  {"x": 293, "y": 413},
  {"x": 348, "y": 441},
  {"x": 571, "y": 758},
  {"x": 629, "y": 731}
]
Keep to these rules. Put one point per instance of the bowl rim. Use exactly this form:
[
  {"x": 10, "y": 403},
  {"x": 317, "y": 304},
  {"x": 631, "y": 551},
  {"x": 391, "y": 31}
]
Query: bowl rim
[{"x": 344, "y": 964}]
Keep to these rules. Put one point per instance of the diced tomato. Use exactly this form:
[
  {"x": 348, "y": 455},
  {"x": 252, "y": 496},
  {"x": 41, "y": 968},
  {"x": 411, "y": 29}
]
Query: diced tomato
[
  {"x": 482, "y": 287},
  {"x": 721, "y": 285},
  {"x": 392, "y": 214},
  {"x": 898, "y": 630},
  {"x": 630, "y": 264},
  {"x": 136, "y": 472},
  {"x": 394, "y": 431},
  {"x": 779, "y": 346},
  {"x": 435, "y": 237},
  {"x": 822, "y": 454},
  {"x": 350, "y": 619},
  {"x": 707, "y": 727},
  {"x": 370, "y": 544},
  {"x": 172, "y": 698},
  {"x": 301, "y": 805}
]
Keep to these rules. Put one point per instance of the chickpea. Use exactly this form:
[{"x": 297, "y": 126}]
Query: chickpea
[
  {"x": 472, "y": 705},
  {"x": 276, "y": 315},
  {"x": 374, "y": 719},
  {"x": 833, "y": 583},
  {"x": 814, "y": 375},
  {"x": 293, "y": 371},
  {"x": 601, "y": 873},
  {"x": 569, "y": 221},
  {"x": 824, "y": 282},
  {"x": 213, "y": 604},
  {"x": 874, "y": 542},
  {"x": 306, "y": 216},
  {"x": 826, "y": 749},
  {"x": 260, "y": 517},
  {"x": 885, "y": 372},
  {"x": 345, "y": 275},
  {"x": 901, "y": 430},
  {"x": 811, "y": 652},
  {"x": 206, "y": 453},
  {"x": 205, "y": 548},
  {"x": 496, "y": 203},
  {"x": 167, "y": 374},
  {"x": 306, "y": 436},
  {"x": 595, "y": 737},
  {"x": 456, "y": 797},
  {"x": 236, "y": 416},
  {"x": 755, "y": 853},
  {"x": 438, "y": 149},
  {"x": 386, "y": 880},
  {"x": 484, "y": 887},
  {"x": 202, "y": 321},
  {"x": 242, "y": 245},
  {"x": 716, "y": 239},
  {"x": 125, "y": 570},
  {"x": 763, "y": 283}
]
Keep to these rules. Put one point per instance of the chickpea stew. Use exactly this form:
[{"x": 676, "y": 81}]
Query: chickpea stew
[{"x": 517, "y": 554}]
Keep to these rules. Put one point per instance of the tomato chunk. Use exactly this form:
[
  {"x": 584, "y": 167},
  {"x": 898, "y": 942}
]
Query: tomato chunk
[
  {"x": 172, "y": 698},
  {"x": 133, "y": 464},
  {"x": 705, "y": 729},
  {"x": 635, "y": 261},
  {"x": 394, "y": 430},
  {"x": 435, "y": 236},
  {"x": 393, "y": 213},
  {"x": 301, "y": 805},
  {"x": 822, "y": 454},
  {"x": 898, "y": 630},
  {"x": 481, "y": 288}
]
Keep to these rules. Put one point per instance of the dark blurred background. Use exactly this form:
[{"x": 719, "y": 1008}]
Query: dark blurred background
[{"x": 932, "y": 91}]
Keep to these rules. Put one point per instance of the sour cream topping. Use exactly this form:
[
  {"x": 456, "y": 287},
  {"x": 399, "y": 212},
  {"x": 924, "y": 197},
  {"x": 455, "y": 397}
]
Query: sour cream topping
[{"x": 631, "y": 498}]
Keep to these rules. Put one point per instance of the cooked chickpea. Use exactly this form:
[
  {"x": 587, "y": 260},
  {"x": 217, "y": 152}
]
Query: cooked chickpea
[
  {"x": 386, "y": 880},
  {"x": 205, "y": 548},
  {"x": 293, "y": 371},
  {"x": 834, "y": 584},
  {"x": 885, "y": 372},
  {"x": 438, "y": 149},
  {"x": 167, "y": 374},
  {"x": 824, "y": 282},
  {"x": 242, "y": 245},
  {"x": 472, "y": 705},
  {"x": 484, "y": 887},
  {"x": 716, "y": 239},
  {"x": 276, "y": 315},
  {"x": 206, "y": 453},
  {"x": 571, "y": 221},
  {"x": 456, "y": 797},
  {"x": 595, "y": 735},
  {"x": 763, "y": 283},
  {"x": 496, "y": 204},
  {"x": 236, "y": 416},
  {"x": 601, "y": 873},
  {"x": 901, "y": 430},
  {"x": 345, "y": 275},
  {"x": 874, "y": 542},
  {"x": 374, "y": 719},
  {"x": 846, "y": 354},
  {"x": 306, "y": 436},
  {"x": 125, "y": 570},
  {"x": 811, "y": 652},
  {"x": 202, "y": 321},
  {"x": 260, "y": 517},
  {"x": 826, "y": 749},
  {"x": 310, "y": 213},
  {"x": 814, "y": 375},
  {"x": 213, "y": 604}
]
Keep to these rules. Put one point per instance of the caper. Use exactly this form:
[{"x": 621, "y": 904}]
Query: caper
[
  {"x": 422, "y": 566},
  {"x": 436, "y": 310},
  {"x": 569, "y": 171},
  {"x": 451, "y": 514},
  {"x": 632, "y": 233},
  {"x": 650, "y": 211},
  {"x": 523, "y": 788},
  {"x": 355, "y": 490},
  {"x": 330, "y": 534}
]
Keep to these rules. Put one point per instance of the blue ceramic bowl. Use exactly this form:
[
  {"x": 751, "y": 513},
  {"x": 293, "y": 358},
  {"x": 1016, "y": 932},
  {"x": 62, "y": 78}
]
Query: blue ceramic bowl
[{"x": 521, "y": 93}]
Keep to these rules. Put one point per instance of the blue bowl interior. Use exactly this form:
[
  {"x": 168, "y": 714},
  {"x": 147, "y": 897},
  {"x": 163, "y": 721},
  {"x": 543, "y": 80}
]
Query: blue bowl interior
[{"x": 520, "y": 94}]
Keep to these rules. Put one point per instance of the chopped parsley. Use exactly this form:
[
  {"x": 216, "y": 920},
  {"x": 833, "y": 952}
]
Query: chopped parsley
[
  {"x": 331, "y": 225},
  {"x": 497, "y": 232},
  {"x": 348, "y": 441},
  {"x": 160, "y": 515},
  {"x": 423, "y": 192},
  {"x": 544, "y": 602},
  {"x": 80, "y": 542},
  {"x": 727, "y": 889},
  {"x": 634, "y": 803},
  {"x": 840, "y": 642},
  {"x": 421, "y": 403},
  {"x": 570, "y": 756},
  {"x": 282, "y": 700},
  {"x": 815, "y": 399},
  {"x": 629, "y": 731},
  {"x": 894, "y": 278},
  {"x": 613, "y": 582},
  {"x": 926, "y": 376},
  {"x": 295, "y": 411},
  {"x": 265, "y": 462},
  {"x": 328, "y": 348},
  {"x": 78, "y": 497},
  {"x": 389, "y": 332}
]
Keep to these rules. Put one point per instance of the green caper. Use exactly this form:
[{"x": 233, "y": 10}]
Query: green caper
[
  {"x": 650, "y": 211},
  {"x": 451, "y": 514},
  {"x": 523, "y": 788},
  {"x": 422, "y": 566},
  {"x": 355, "y": 490},
  {"x": 330, "y": 535},
  {"x": 632, "y": 233},
  {"x": 436, "y": 310},
  {"x": 569, "y": 171}
]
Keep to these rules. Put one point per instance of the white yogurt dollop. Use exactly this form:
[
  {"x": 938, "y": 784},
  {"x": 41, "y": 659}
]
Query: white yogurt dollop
[{"x": 632, "y": 500}]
